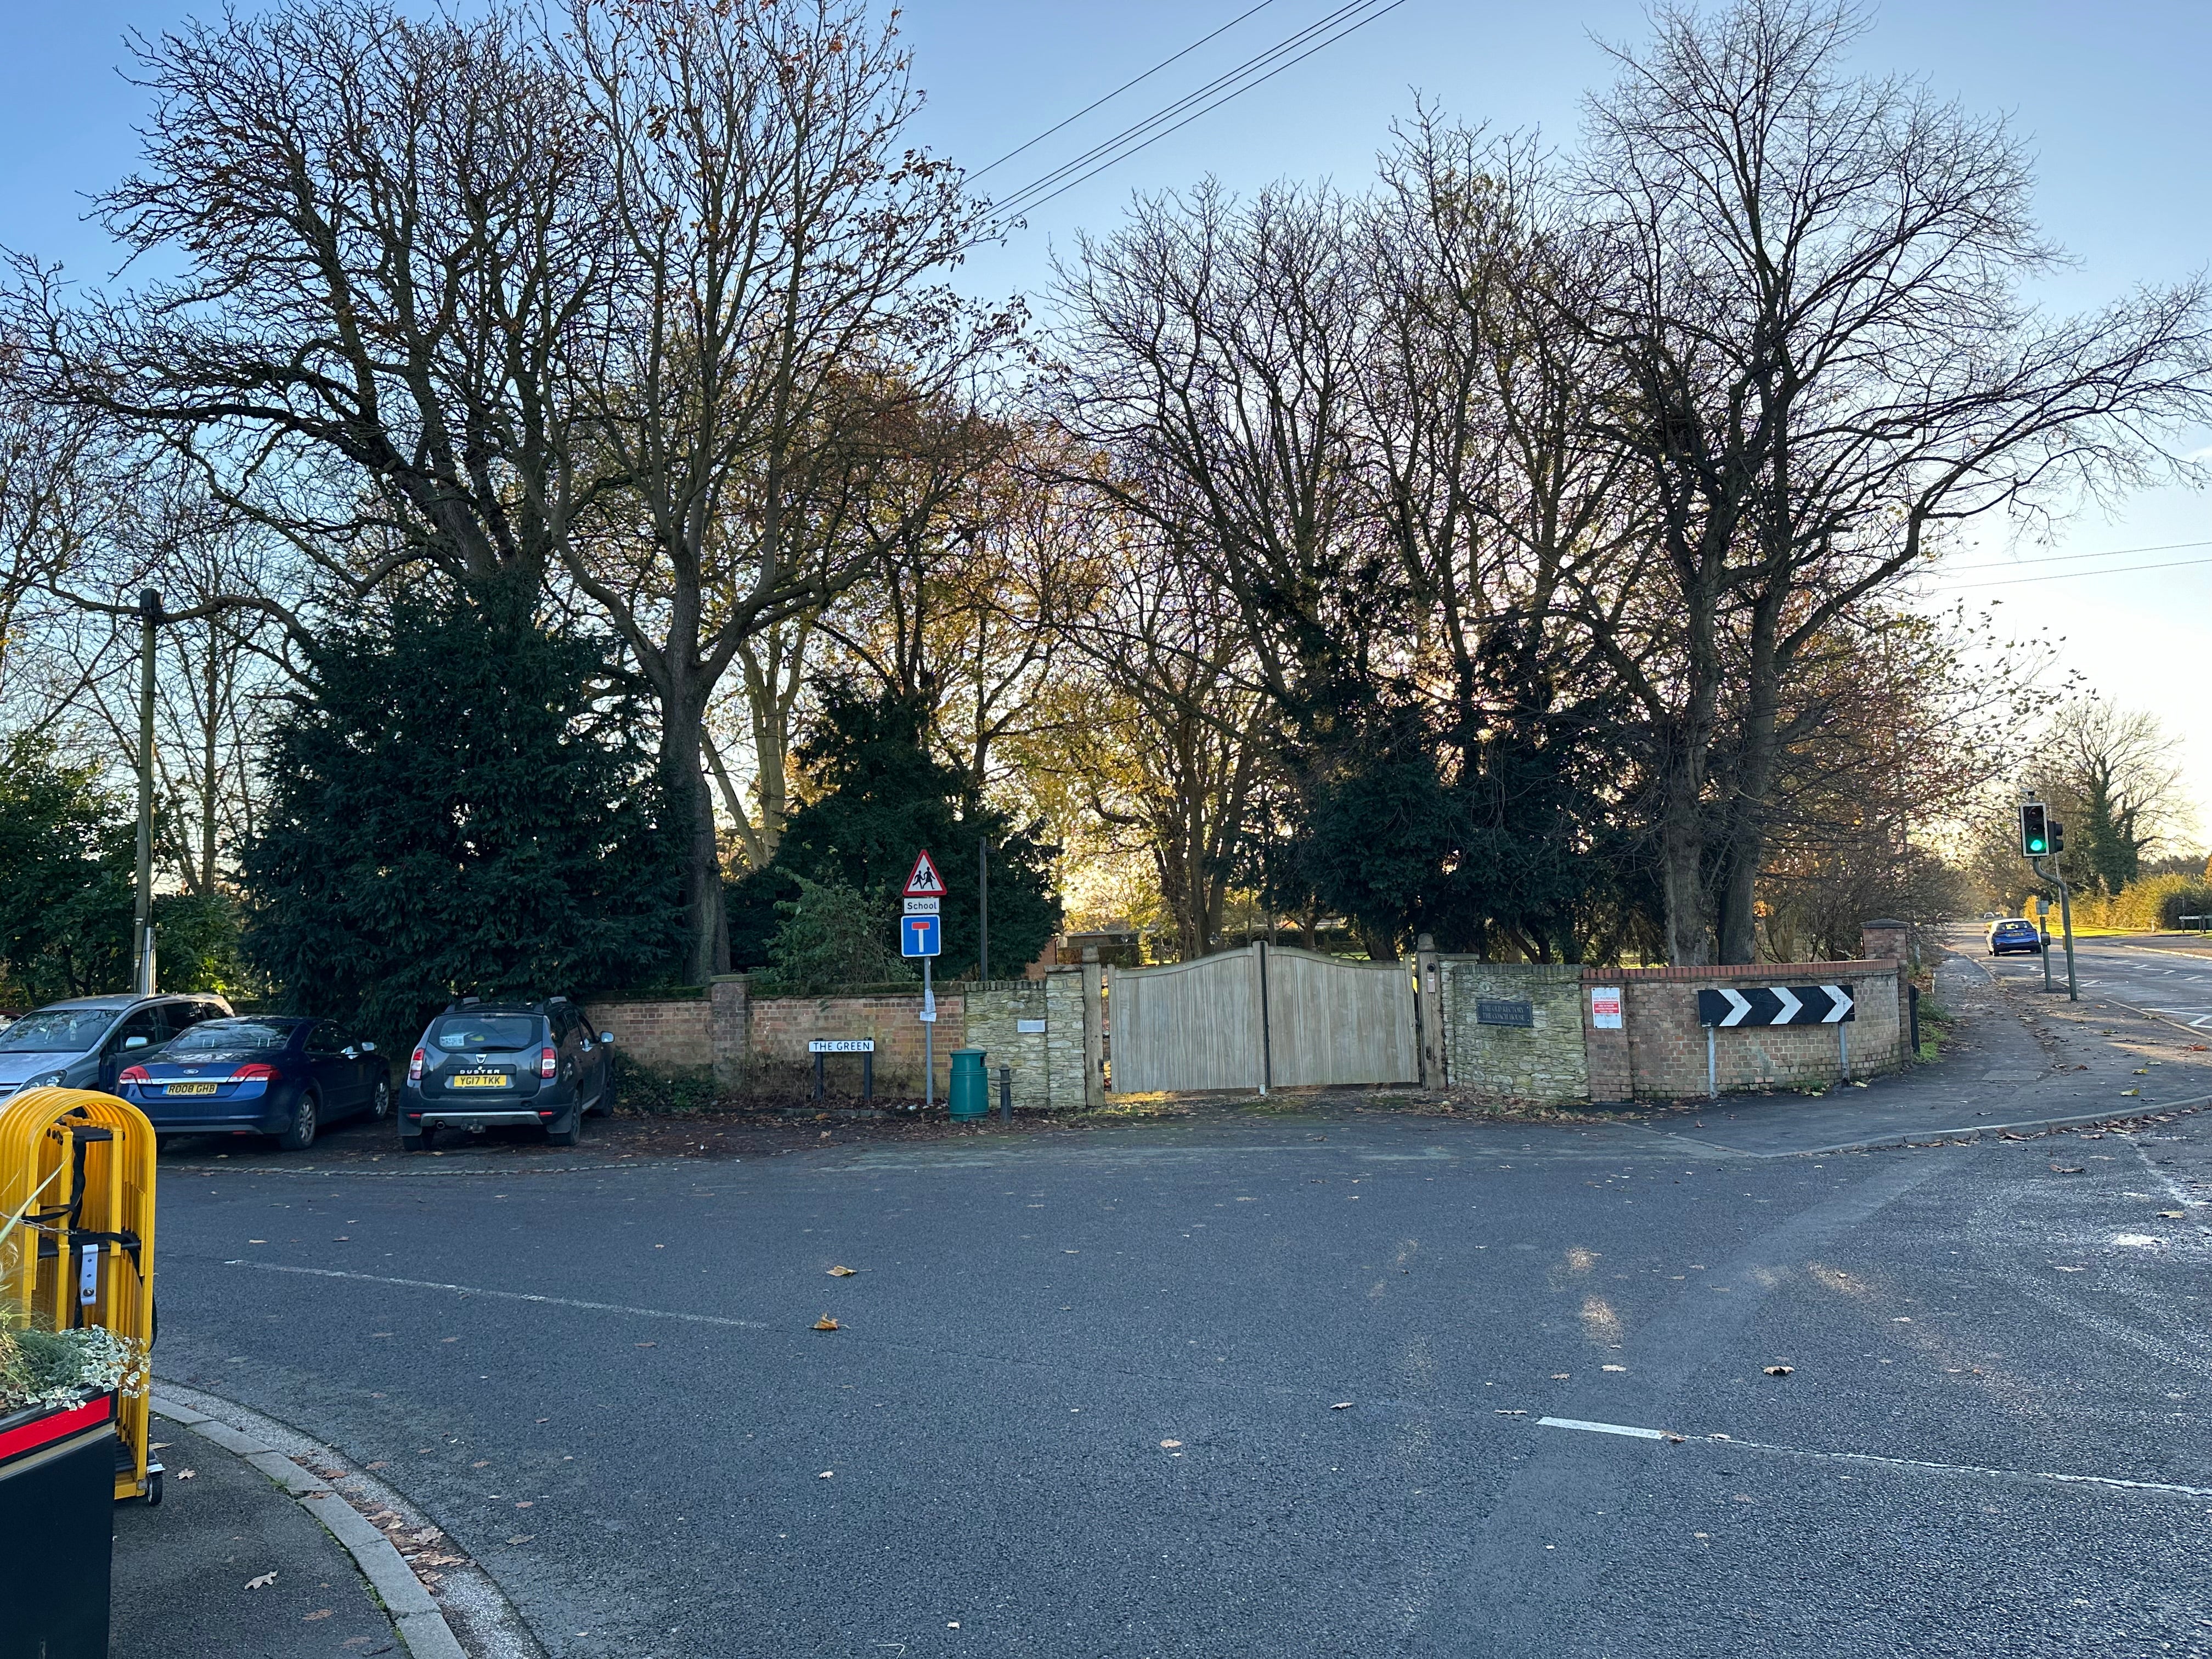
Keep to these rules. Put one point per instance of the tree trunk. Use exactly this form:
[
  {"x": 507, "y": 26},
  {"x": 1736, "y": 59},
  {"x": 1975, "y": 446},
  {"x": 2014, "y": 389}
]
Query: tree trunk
[{"x": 705, "y": 947}]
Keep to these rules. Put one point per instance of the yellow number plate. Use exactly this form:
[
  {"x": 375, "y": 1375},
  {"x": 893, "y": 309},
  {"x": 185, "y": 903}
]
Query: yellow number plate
[
  {"x": 480, "y": 1080},
  {"x": 190, "y": 1089}
]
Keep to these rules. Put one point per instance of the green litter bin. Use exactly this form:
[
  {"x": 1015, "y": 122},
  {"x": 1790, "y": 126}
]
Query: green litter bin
[{"x": 970, "y": 1097}]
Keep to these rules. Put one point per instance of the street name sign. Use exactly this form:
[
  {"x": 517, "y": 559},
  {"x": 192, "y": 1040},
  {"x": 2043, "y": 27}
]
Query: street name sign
[
  {"x": 1776, "y": 1004},
  {"x": 921, "y": 936},
  {"x": 841, "y": 1046},
  {"x": 923, "y": 881}
]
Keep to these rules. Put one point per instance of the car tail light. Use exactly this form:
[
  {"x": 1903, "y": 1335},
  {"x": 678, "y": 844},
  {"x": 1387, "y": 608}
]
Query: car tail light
[
  {"x": 254, "y": 1071},
  {"x": 549, "y": 1063},
  {"x": 414, "y": 1067},
  {"x": 134, "y": 1074}
]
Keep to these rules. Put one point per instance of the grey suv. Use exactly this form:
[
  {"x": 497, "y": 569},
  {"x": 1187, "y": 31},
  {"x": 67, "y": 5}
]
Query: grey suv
[
  {"x": 486, "y": 1064},
  {"x": 82, "y": 1043}
]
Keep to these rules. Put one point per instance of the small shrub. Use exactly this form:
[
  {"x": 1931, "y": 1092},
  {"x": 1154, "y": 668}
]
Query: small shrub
[{"x": 642, "y": 1093}]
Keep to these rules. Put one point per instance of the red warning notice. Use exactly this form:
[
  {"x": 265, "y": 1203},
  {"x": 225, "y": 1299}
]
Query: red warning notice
[{"x": 925, "y": 882}]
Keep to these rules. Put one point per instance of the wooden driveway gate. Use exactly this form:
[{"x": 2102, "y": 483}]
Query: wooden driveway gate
[{"x": 1265, "y": 1016}]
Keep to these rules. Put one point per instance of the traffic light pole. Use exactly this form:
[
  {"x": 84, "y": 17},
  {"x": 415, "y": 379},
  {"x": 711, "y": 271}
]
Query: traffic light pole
[
  {"x": 142, "y": 920},
  {"x": 2066, "y": 922}
]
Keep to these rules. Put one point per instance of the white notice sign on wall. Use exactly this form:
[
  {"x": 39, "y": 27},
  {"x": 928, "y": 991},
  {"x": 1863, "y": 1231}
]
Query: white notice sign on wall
[{"x": 1605, "y": 1007}]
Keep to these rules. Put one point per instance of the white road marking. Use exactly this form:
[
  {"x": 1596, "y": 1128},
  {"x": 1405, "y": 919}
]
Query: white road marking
[
  {"x": 509, "y": 1296},
  {"x": 1602, "y": 1428},
  {"x": 1730, "y": 1444}
]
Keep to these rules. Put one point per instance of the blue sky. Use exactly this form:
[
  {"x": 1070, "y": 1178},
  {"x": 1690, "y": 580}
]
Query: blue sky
[{"x": 2112, "y": 97}]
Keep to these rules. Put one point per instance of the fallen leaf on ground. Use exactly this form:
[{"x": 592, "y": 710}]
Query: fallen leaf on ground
[
  {"x": 1559, "y": 1376},
  {"x": 2173, "y": 1215},
  {"x": 2131, "y": 1092},
  {"x": 1341, "y": 1406},
  {"x": 1613, "y": 1368},
  {"x": 319, "y": 1612},
  {"x": 1170, "y": 1445},
  {"x": 648, "y": 1345},
  {"x": 825, "y": 1323},
  {"x": 188, "y": 1474},
  {"x": 825, "y": 1474},
  {"x": 1502, "y": 1411},
  {"x": 522, "y": 1538},
  {"x": 843, "y": 1272},
  {"x": 1778, "y": 1371},
  {"x": 2068, "y": 1169},
  {"x": 262, "y": 1582}
]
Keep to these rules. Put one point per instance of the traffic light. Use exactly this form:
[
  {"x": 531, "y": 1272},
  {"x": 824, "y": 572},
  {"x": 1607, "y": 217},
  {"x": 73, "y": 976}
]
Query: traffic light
[
  {"x": 2034, "y": 829},
  {"x": 2057, "y": 836}
]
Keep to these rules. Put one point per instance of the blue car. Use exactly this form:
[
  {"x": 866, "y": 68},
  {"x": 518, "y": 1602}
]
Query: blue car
[
  {"x": 2010, "y": 934},
  {"x": 261, "y": 1075}
]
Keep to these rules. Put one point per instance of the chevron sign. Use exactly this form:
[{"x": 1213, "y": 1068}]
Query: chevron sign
[{"x": 1776, "y": 1005}]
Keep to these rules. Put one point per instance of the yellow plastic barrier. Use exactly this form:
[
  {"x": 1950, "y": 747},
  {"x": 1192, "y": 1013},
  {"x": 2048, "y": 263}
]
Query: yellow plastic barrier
[{"x": 77, "y": 1168}]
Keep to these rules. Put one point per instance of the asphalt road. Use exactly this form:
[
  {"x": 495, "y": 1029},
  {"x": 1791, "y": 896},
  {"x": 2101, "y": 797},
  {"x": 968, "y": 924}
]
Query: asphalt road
[
  {"x": 1261, "y": 1384},
  {"x": 2172, "y": 981}
]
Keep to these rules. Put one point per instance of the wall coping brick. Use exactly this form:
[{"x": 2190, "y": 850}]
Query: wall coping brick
[{"x": 1784, "y": 971}]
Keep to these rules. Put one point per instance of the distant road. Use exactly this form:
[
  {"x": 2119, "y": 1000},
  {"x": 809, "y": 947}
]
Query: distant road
[{"x": 2176, "y": 982}]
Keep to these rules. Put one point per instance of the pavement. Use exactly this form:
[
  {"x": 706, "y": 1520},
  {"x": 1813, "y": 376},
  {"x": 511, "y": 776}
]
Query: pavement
[
  {"x": 1294, "y": 1378},
  {"x": 227, "y": 1566},
  {"x": 2014, "y": 1060}
]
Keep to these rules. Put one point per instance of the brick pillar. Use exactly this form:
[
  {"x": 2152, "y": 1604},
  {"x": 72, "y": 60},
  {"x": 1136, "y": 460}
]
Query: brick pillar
[
  {"x": 730, "y": 1033},
  {"x": 1434, "y": 1072},
  {"x": 1094, "y": 1029},
  {"x": 1883, "y": 940}
]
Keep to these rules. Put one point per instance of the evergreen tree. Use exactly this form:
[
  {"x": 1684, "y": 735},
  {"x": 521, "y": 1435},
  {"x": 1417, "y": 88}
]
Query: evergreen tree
[
  {"x": 458, "y": 803},
  {"x": 880, "y": 797},
  {"x": 68, "y": 852}
]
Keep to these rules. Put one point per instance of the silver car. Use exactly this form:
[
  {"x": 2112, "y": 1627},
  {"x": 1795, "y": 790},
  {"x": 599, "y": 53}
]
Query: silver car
[{"x": 82, "y": 1043}]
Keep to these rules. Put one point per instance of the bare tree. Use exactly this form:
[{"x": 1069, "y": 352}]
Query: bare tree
[
  {"x": 1174, "y": 738},
  {"x": 779, "y": 378},
  {"x": 1815, "y": 303},
  {"x": 391, "y": 230},
  {"x": 2113, "y": 774}
]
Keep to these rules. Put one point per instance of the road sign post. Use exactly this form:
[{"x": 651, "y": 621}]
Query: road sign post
[{"x": 921, "y": 933}]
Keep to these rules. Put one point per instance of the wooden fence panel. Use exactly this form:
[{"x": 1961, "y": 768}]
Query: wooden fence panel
[
  {"x": 1186, "y": 1025},
  {"x": 1337, "y": 1021}
]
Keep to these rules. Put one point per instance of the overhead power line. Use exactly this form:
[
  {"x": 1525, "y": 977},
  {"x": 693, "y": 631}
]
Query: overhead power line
[
  {"x": 2069, "y": 558},
  {"x": 2069, "y": 575},
  {"x": 1255, "y": 72},
  {"x": 1123, "y": 88}
]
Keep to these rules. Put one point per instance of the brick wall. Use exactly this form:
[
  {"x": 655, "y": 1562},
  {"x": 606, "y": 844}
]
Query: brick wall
[
  {"x": 1659, "y": 1052},
  {"x": 1545, "y": 1061},
  {"x": 673, "y": 1035},
  {"x": 780, "y": 1027}
]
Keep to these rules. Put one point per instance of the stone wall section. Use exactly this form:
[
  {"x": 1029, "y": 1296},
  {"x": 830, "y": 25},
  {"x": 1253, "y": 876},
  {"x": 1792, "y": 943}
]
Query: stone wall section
[
  {"x": 995, "y": 1015},
  {"x": 1064, "y": 1042},
  {"x": 1546, "y": 1061}
]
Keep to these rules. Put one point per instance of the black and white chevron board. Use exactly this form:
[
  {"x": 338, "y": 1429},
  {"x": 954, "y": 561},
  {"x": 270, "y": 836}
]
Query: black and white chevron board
[{"x": 1776, "y": 1005}]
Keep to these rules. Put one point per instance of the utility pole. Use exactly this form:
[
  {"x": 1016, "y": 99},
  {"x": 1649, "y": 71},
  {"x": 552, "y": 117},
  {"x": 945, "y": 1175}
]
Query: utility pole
[
  {"x": 983, "y": 906},
  {"x": 142, "y": 931}
]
